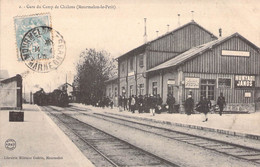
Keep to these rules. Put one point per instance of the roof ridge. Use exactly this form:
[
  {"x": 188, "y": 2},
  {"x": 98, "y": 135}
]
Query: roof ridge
[
  {"x": 195, "y": 50},
  {"x": 170, "y": 32}
]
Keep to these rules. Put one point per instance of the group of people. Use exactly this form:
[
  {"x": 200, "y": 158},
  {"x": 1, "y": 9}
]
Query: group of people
[
  {"x": 144, "y": 104},
  {"x": 105, "y": 102},
  {"x": 204, "y": 105},
  {"x": 154, "y": 104}
]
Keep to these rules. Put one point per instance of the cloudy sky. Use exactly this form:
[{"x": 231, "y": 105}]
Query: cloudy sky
[{"x": 118, "y": 30}]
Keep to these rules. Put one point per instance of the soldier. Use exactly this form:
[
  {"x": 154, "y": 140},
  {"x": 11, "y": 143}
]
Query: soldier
[
  {"x": 152, "y": 104},
  {"x": 124, "y": 101},
  {"x": 204, "y": 106},
  {"x": 159, "y": 102},
  {"x": 189, "y": 104},
  {"x": 170, "y": 102},
  {"x": 132, "y": 104},
  {"x": 140, "y": 104},
  {"x": 221, "y": 103},
  {"x": 129, "y": 103},
  {"x": 146, "y": 105}
]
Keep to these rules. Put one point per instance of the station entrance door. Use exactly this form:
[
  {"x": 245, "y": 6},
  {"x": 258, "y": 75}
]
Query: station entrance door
[{"x": 257, "y": 100}]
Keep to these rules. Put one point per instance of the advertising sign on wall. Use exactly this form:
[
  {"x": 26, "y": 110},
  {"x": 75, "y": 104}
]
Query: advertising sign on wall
[
  {"x": 193, "y": 83},
  {"x": 235, "y": 53},
  {"x": 244, "y": 81},
  {"x": 171, "y": 82}
]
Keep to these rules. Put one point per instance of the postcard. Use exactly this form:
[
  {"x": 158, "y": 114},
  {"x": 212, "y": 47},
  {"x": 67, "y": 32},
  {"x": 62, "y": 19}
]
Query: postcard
[{"x": 129, "y": 83}]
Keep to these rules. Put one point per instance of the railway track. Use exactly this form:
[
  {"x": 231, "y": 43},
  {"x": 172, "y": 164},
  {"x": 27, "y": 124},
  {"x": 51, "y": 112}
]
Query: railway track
[
  {"x": 229, "y": 149},
  {"x": 115, "y": 152}
]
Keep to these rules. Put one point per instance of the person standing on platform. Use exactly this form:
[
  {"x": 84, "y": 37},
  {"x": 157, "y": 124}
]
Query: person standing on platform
[
  {"x": 152, "y": 104},
  {"x": 129, "y": 103},
  {"x": 146, "y": 104},
  {"x": 221, "y": 103},
  {"x": 159, "y": 102},
  {"x": 140, "y": 104},
  {"x": 170, "y": 102},
  {"x": 132, "y": 104},
  {"x": 204, "y": 106},
  {"x": 189, "y": 104}
]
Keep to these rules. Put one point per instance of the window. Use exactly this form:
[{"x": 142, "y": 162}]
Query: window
[
  {"x": 141, "y": 89},
  {"x": 131, "y": 63},
  {"x": 154, "y": 88},
  {"x": 131, "y": 90},
  {"x": 123, "y": 67},
  {"x": 141, "y": 61},
  {"x": 170, "y": 89},
  {"x": 224, "y": 83},
  {"x": 208, "y": 88},
  {"x": 115, "y": 91},
  {"x": 170, "y": 84}
]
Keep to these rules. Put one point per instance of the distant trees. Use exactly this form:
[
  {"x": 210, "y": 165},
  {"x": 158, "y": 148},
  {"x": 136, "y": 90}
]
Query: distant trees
[{"x": 93, "y": 69}]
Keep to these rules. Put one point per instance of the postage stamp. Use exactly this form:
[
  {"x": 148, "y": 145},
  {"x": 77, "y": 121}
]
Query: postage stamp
[
  {"x": 25, "y": 23},
  {"x": 38, "y": 44}
]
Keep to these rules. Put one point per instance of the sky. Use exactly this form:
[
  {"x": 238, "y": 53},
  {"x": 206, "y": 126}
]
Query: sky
[{"x": 117, "y": 30}]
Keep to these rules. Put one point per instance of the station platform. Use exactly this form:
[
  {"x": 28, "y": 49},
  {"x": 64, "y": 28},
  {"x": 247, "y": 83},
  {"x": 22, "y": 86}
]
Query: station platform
[
  {"x": 241, "y": 125},
  {"x": 39, "y": 142}
]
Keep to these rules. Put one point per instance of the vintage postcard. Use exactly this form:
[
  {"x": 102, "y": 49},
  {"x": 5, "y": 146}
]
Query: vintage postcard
[{"x": 129, "y": 83}]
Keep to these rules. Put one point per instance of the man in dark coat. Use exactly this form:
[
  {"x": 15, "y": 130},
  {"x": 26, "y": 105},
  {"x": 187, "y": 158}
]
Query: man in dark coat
[
  {"x": 140, "y": 104},
  {"x": 221, "y": 103},
  {"x": 170, "y": 102},
  {"x": 189, "y": 104},
  {"x": 159, "y": 102},
  {"x": 204, "y": 106},
  {"x": 152, "y": 104},
  {"x": 129, "y": 103},
  {"x": 146, "y": 105}
]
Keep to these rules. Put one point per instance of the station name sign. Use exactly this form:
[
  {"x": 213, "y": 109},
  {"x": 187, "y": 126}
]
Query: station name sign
[
  {"x": 192, "y": 83},
  {"x": 242, "y": 81},
  {"x": 235, "y": 53}
]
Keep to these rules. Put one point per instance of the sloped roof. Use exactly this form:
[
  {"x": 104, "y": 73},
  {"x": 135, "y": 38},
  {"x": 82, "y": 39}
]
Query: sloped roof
[
  {"x": 11, "y": 79},
  {"x": 195, "y": 51},
  {"x": 141, "y": 47},
  {"x": 111, "y": 79}
]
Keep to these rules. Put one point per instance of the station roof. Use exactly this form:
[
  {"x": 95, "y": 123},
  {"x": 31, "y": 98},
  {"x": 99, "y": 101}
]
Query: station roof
[
  {"x": 196, "y": 51},
  {"x": 111, "y": 79},
  {"x": 141, "y": 48},
  {"x": 14, "y": 78}
]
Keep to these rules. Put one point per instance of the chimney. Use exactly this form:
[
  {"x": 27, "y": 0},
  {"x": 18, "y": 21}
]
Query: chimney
[
  {"x": 192, "y": 15},
  {"x": 220, "y": 32},
  {"x": 168, "y": 28},
  {"x": 145, "y": 35},
  {"x": 157, "y": 33},
  {"x": 179, "y": 23}
]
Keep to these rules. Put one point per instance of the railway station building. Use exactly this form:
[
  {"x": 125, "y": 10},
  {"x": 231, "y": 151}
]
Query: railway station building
[
  {"x": 192, "y": 60},
  {"x": 112, "y": 89}
]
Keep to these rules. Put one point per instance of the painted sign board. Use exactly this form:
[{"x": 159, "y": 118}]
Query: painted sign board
[
  {"x": 243, "y": 81},
  {"x": 247, "y": 94},
  {"x": 193, "y": 83},
  {"x": 235, "y": 53},
  {"x": 171, "y": 82}
]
